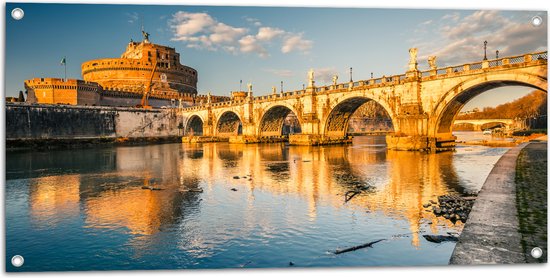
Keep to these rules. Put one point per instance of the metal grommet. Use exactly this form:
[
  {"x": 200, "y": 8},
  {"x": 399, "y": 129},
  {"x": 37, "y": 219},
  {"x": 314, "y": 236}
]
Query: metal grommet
[
  {"x": 536, "y": 21},
  {"x": 536, "y": 252},
  {"x": 17, "y": 260},
  {"x": 17, "y": 13}
]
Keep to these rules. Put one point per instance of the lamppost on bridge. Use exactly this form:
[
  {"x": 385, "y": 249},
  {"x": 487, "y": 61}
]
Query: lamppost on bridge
[
  {"x": 350, "y": 74},
  {"x": 303, "y": 86},
  {"x": 371, "y": 75},
  {"x": 485, "y": 50},
  {"x": 497, "y": 54},
  {"x": 281, "y": 87}
]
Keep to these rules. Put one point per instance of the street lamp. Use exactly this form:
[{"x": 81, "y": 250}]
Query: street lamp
[
  {"x": 350, "y": 74},
  {"x": 281, "y": 87},
  {"x": 371, "y": 75},
  {"x": 497, "y": 54},
  {"x": 485, "y": 50}
]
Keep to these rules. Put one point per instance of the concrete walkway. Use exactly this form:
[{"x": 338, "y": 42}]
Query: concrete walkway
[{"x": 491, "y": 234}]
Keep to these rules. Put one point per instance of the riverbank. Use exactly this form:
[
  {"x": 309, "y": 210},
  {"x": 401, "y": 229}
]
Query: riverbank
[
  {"x": 500, "y": 143},
  {"x": 497, "y": 229}
]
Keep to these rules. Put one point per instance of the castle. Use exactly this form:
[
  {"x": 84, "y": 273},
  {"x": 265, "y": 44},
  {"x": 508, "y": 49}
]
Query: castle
[{"x": 123, "y": 81}]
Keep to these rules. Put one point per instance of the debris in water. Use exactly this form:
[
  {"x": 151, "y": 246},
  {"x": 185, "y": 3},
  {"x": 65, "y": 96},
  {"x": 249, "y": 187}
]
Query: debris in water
[
  {"x": 150, "y": 188},
  {"x": 357, "y": 247},
  {"x": 440, "y": 238},
  {"x": 247, "y": 263}
]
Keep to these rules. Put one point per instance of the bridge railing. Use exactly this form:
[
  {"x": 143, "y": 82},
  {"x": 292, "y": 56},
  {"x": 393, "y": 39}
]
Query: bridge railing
[{"x": 543, "y": 55}]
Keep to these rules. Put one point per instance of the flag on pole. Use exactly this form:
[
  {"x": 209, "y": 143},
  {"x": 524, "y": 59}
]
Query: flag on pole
[{"x": 63, "y": 61}]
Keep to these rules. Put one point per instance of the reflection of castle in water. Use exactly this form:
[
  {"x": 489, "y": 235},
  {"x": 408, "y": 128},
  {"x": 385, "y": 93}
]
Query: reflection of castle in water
[
  {"x": 115, "y": 199},
  {"x": 401, "y": 183}
]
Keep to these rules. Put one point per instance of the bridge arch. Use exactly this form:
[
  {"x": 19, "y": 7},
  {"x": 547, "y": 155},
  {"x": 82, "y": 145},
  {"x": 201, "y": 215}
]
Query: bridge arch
[
  {"x": 194, "y": 126},
  {"x": 453, "y": 100},
  {"x": 229, "y": 123},
  {"x": 272, "y": 120},
  {"x": 337, "y": 120}
]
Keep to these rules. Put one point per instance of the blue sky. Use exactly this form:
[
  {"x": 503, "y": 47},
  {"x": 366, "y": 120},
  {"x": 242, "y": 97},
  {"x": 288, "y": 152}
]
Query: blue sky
[{"x": 265, "y": 45}]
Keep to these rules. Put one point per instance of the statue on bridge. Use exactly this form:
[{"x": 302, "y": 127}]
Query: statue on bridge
[
  {"x": 209, "y": 98},
  {"x": 311, "y": 77},
  {"x": 274, "y": 90},
  {"x": 249, "y": 85},
  {"x": 431, "y": 62},
  {"x": 335, "y": 79},
  {"x": 413, "y": 65}
]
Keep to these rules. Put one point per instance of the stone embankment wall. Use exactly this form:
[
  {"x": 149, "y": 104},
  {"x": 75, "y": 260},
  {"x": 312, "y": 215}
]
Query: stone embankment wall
[{"x": 26, "y": 122}]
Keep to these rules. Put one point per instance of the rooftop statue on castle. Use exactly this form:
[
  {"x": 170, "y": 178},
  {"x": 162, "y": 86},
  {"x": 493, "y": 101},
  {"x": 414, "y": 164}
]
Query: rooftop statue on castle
[{"x": 145, "y": 36}]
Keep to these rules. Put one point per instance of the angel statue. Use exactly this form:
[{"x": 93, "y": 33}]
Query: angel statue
[
  {"x": 412, "y": 63},
  {"x": 335, "y": 79},
  {"x": 311, "y": 77},
  {"x": 431, "y": 62}
]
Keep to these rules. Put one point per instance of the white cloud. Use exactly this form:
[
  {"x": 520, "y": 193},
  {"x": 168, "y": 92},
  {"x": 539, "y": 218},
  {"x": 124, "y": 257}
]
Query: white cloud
[
  {"x": 202, "y": 31},
  {"x": 427, "y": 22},
  {"x": 254, "y": 21},
  {"x": 296, "y": 42},
  {"x": 133, "y": 17},
  {"x": 249, "y": 44},
  {"x": 460, "y": 39},
  {"x": 222, "y": 33},
  {"x": 280, "y": 72},
  {"x": 324, "y": 75},
  {"x": 185, "y": 24},
  {"x": 269, "y": 33}
]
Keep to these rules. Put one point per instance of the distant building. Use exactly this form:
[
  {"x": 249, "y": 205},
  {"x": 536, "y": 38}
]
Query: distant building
[
  {"x": 58, "y": 91},
  {"x": 11, "y": 99},
  {"x": 122, "y": 81}
]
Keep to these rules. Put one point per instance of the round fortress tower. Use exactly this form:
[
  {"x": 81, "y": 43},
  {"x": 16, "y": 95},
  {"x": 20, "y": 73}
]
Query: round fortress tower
[{"x": 132, "y": 71}]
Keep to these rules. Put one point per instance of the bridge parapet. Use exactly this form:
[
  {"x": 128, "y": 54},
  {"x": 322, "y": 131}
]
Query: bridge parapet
[{"x": 505, "y": 62}]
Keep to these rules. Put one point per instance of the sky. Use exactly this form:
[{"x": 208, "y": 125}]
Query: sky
[{"x": 267, "y": 45}]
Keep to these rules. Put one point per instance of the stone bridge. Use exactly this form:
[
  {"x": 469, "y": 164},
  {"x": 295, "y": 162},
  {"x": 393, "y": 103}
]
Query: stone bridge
[
  {"x": 422, "y": 105},
  {"x": 479, "y": 123}
]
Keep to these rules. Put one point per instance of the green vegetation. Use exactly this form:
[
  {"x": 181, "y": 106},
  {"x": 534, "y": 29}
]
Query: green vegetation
[{"x": 531, "y": 193}]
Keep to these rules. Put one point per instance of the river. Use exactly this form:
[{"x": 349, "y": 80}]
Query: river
[{"x": 85, "y": 209}]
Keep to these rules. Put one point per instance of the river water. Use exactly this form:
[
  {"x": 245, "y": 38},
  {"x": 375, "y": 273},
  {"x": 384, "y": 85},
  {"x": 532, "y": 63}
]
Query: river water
[{"x": 85, "y": 209}]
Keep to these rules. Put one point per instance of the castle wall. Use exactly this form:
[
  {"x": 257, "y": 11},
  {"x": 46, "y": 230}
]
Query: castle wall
[{"x": 56, "y": 122}]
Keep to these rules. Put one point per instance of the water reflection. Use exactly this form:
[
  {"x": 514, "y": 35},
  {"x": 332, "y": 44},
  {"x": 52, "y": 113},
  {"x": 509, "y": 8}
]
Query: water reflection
[{"x": 216, "y": 197}]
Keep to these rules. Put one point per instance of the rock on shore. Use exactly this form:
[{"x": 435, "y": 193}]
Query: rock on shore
[{"x": 453, "y": 208}]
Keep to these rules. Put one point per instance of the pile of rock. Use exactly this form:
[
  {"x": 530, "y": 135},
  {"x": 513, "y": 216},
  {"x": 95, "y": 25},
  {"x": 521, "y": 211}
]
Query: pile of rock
[{"x": 453, "y": 208}]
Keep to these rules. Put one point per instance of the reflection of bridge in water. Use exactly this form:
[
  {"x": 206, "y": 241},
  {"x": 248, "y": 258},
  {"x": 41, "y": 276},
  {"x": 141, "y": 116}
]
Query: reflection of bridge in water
[
  {"x": 421, "y": 105},
  {"x": 402, "y": 182}
]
